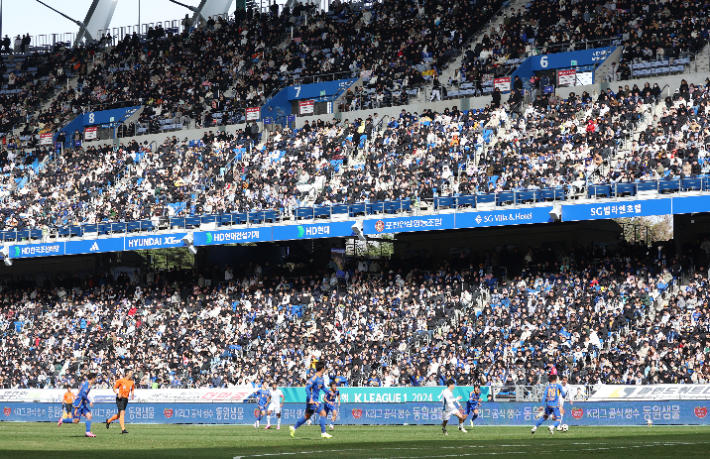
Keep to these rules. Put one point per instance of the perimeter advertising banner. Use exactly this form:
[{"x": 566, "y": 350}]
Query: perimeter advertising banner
[
  {"x": 387, "y": 394},
  {"x": 654, "y": 392},
  {"x": 234, "y": 395},
  {"x": 493, "y": 413}
]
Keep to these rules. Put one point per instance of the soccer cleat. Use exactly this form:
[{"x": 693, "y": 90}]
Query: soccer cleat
[
  {"x": 471, "y": 423},
  {"x": 444, "y": 430},
  {"x": 124, "y": 431},
  {"x": 278, "y": 428},
  {"x": 332, "y": 427},
  {"x": 559, "y": 428},
  {"x": 108, "y": 424},
  {"x": 267, "y": 427},
  {"x": 89, "y": 434},
  {"x": 293, "y": 431},
  {"x": 256, "y": 426},
  {"x": 462, "y": 429},
  {"x": 59, "y": 424},
  {"x": 326, "y": 435},
  {"x": 552, "y": 430},
  {"x": 534, "y": 429},
  {"x": 539, "y": 414}
]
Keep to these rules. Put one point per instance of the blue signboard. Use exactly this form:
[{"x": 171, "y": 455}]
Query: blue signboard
[
  {"x": 503, "y": 217},
  {"x": 291, "y": 118},
  {"x": 267, "y": 120},
  {"x": 94, "y": 246},
  {"x": 163, "y": 241},
  {"x": 406, "y": 224},
  {"x": 619, "y": 413},
  {"x": 564, "y": 60},
  {"x": 691, "y": 204},
  {"x": 617, "y": 209},
  {"x": 318, "y": 230},
  {"x": 37, "y": 250},
  {"x": 109, "y": 116},
  {"x": 315, "y": 90},
  {"x": 256, "y": 234}
]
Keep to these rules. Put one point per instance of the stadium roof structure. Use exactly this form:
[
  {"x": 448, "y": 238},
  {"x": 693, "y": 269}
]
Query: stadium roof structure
[{"x": 100, "y": 12}]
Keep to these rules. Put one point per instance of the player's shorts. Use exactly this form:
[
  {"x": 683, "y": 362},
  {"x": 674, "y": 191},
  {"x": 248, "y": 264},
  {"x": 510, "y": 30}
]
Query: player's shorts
[
  {"x": 78, "y": 412},
  {"x": 121, "y": 403},
  {"x": 470, "y": 407},
  {"x": 446, "y": 414},
  {"x": 275, "y": 408},
  {"x": 553, "y": 410},
  {"x": 68, "y": 407},
  {"x": 313, "y": 408},
  {"x": 330, "y": 408},
  {"x": 262, "y": 407}
]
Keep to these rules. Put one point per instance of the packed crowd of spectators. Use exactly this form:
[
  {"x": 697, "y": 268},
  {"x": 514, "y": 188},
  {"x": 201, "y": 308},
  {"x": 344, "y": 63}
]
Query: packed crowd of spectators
[
  {"x": 550, "y": 143},
  {"x": 597, "y": 316}
]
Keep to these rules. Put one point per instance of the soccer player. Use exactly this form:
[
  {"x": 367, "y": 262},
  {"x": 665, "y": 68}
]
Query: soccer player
[
  {"x": 332, "y": 402},
  {"x": 474, "y": 401},
  {"x": 451, "y": 406},
  {"x": 123, "y": 389},
  {"x": 313, "y": 388},
  {"x": 563, "y": 396},
  {"x": 82, "y": 405},
  {"x": 67, "y": 402},
  {"x": 262, "y": 399},
  {"x": 551, "y": 399},
  {"x": 277, "y": 403}
]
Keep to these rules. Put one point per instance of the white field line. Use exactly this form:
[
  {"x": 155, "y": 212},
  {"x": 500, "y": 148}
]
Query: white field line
[{"x": 641, "y": 445}]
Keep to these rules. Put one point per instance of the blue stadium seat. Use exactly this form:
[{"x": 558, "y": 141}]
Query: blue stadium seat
[
  {"x": 668, "y": 186},
  {"x": 466, "y": 201},
  {"x": 444, "y": 202},
  {"x": 692, "y": 184},
  {"x": 624, "y": 189},
  {"x": 358, "y": 209},
  {"x": 375, "y": 208},
  {"x": 505, "y": 198},
  {"x": 304, "y": 212},
  {"x": 599, "y": 191}
]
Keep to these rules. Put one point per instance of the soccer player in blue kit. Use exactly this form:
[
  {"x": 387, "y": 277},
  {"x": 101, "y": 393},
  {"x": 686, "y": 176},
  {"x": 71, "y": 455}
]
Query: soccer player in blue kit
[
  {"x": 313, "y": 388},
  {"x": 551, "y": 398},
  {"x": 332, "y": 402},
  {"x": 82, "y": 405},
  {"x": 474, "y": 401},
  {"x": 263, "y": 396}
]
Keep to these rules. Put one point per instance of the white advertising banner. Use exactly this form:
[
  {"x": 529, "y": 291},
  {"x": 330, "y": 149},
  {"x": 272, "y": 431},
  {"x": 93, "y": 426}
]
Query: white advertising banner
[
  {"x": 653, "y": 392},
  {"x": 234, "y": 395}
]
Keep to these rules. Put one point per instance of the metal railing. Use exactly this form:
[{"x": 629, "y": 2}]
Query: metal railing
[{"x": 606, "y": 193}]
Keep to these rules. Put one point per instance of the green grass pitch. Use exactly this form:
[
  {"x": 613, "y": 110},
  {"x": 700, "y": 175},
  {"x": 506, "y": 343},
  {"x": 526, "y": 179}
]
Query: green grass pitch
[{"x": 46, "y": 441}]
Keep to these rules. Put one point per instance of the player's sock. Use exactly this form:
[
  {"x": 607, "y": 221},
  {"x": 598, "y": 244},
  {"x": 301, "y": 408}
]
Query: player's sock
[
  {"x": 300, "y": 422},
  {"x": 322, "y": 424},
  {"x": 268, "y": 419},
  {"x": 474, "y": 417},
  {"x": 112, "y": 418},
  {"x": 88, "y": 426},
  {"x": 540, "y": 421},
  {"x": 556, "y": 424},
  {"x": 278, "y": 422}
]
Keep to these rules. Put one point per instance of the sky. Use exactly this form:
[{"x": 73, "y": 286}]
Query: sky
[{"x": 17, "y": 13}]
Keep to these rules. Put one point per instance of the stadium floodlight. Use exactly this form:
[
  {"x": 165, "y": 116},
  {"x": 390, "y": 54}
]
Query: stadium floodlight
[
  {"x": 189, "y": 240},
  {"x": 5, "y": 252},
  {"x": 359, "y": 231},
  {"x": 556, "y": 213}
]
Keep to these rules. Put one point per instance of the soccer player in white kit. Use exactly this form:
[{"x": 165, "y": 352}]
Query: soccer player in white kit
[
  {"x": 563, "y": 395},
  {"x": 277, "y": 402},
  {"x": 451, "y": 406}
]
